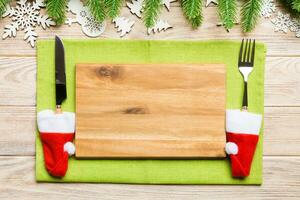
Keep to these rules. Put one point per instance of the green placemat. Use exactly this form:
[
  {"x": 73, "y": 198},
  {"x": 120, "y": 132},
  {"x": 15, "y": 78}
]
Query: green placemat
[{"x": 135, "y": 51}]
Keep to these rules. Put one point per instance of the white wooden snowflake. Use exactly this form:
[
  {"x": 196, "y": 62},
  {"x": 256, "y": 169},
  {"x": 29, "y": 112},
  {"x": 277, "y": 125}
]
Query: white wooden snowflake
[
  {"x": 159, "y": 26},
  {"x": 268, "y": 8},
  {"x": 167, "y": 3},
  {"x": 25, "y": 17},
  {"x": 124, "y": 25},
  {"x": 136, "y": 7},
  {"x": 295, "y": 27},
  {"x": 89, "y": 25},
  {"x": 208, "y": 2},
  {"x": 282, "y": 22}
]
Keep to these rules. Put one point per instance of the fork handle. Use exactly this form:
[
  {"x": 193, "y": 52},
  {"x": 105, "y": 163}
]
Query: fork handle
[{"x": 245, "y": 98}]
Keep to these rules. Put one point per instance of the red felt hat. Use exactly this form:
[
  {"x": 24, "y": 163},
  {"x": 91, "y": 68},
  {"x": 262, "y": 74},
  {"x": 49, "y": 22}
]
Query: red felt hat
[{"x": 56, "y": 133}]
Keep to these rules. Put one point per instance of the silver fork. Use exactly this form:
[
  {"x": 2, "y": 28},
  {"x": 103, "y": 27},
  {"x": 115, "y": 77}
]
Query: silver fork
[{"x": 246, "y": 62}]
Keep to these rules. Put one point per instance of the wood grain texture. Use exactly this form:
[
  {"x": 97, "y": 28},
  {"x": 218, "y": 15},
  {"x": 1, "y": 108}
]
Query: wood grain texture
[
  {"x": 150, "y": 110},
  {"x": 17, "y": 81},
  {"x": 17, "y": 126},
  {"x": 17, "y": 117},
  {"x": 280, "y": 182},
  {"x": 182, "y": 30},
  {"x": 18, "y": 75}
]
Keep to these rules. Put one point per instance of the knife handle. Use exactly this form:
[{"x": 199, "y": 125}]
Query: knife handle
[{"x": 58, "y": 109}]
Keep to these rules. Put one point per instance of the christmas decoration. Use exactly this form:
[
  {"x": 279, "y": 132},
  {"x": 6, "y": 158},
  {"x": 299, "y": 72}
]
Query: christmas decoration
[
  {"x": 250, "y": 13},
  {"x": 295, "y": 27},
  {"x": 159, "y": 26},
  {"x": 89, "y": 25},
  {"x": 192, "y": 10},
  {"x": 227, "y": 13},
  {"x": 151, "y": 12},
  {"x": 208, "y": 2},
  {"x": 26, "y": 16},
  {"x": 136, "y": 7},
  {"x": 3, "y": 5},
  {"x": 56, "y": 133},
  {"x": 97, "y": 9},
  {"x": 56, "y": 10},
  {"x": 113, "y": 7},
  {"x": 268, "y": 8},
  {"x": 167, "y": 3},
  {"x": 242, "y": 133},
  {"x": 282, "y": 22},
  {"x": 292, "y": 6},
  {"x": 124, "y": 25}
]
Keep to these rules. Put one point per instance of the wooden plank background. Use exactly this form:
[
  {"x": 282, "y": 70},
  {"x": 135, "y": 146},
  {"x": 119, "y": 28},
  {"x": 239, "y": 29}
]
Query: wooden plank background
[{"x": 282, "y": 117}]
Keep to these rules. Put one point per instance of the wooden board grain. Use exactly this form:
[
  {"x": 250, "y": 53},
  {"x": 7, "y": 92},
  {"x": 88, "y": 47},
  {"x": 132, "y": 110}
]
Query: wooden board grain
[{"x": 150, "y": 110}]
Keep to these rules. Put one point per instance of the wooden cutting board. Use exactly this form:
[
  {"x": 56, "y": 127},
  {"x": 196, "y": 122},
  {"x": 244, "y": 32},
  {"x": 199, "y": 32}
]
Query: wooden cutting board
[{"x": 150, "y": 111}]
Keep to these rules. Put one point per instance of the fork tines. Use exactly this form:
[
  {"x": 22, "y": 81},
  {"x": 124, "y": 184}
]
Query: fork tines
[{"x": 246, "y": 56}]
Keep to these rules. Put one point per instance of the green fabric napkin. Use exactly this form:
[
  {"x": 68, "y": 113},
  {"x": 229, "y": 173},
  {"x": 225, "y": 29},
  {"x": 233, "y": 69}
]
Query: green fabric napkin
[{"x": 136, "y": 51}]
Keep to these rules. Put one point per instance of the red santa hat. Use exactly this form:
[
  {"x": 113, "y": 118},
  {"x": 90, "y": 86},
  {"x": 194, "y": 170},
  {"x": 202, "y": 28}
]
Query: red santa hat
[
  {"x": 56, "y": 133},
  {"x": 242, "y": 133}
]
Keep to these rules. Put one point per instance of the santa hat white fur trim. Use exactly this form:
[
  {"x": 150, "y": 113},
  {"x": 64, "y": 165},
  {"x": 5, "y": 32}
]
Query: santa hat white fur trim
[
  {"x": 243, "y": 122},
  {"x": 231, "y": 148},
  {"x": 50, "y": 122}
]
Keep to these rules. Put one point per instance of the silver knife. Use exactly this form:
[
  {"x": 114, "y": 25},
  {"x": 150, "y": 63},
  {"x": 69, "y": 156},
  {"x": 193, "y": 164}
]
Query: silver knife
[{"x": 60, "y": 74}]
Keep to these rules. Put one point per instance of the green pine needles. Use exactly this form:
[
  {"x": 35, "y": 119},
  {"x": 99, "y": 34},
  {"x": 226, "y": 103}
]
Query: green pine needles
[
  {"x": 97, "y": 9},
  {"x": 56, "y": 9},
  {"x": 192, "y": 10},
  {"x": 151, "y": 12},
  {"x": 250, "y": 14},
  {"x": 227, "y": 13},
  {"x": 3, "y": 4},
  {"x": 113, "y": 7},
  {"x": 296, "y": 5}
]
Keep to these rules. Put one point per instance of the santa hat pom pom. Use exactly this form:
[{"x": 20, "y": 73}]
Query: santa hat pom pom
[
  {"x": 70, "y": 148},
  {"x": 231, "y": 148}
]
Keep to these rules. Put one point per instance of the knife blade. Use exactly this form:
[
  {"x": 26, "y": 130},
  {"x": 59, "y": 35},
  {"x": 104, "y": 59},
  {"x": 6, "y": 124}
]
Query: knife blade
[{"x": 60, "y": 75}]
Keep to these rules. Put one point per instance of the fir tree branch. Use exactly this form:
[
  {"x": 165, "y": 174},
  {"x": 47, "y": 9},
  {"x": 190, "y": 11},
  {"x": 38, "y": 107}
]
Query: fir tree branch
[
  {"x": 151, "y": 12},
  {"x": 97, "y": 9},
  {"x": 3, "y": 4},
  {"x": 192, "y": 10},
  {"x": 56, "y": 9},
  {"x": 250, "y": 14},
  {"x": 196, "y": 22},
  {"x": 296, "y": 5},
  {"x": 227, "y": 12},
  {"x": 113, "y": 7},
  {"x": 288, "y": 5}
]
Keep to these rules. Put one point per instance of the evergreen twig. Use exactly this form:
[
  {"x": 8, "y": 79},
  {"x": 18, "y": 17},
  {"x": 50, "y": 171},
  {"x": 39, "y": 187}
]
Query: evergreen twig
[
  {"x": 192, "y": 10},
  {"x": 296, "y": 5},
  {"x": 56, "y": 9},
  {"x": 113, "y": 7},
  {"x": 250, "y": 14},
  {"x": 97, "y": 9},
  {"x": 227, "y": 12},
  {"x": 3, "y": 4},
  {"x": 151, "y": 12}
]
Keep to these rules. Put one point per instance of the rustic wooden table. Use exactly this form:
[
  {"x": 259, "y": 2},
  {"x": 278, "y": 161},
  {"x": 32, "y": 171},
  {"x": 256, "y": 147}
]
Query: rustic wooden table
[{"x": 282, "y": 117}]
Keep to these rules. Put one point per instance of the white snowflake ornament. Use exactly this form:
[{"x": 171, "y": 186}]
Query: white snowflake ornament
[
  {"x": 159, "y": 26},
  {"x": 282, "y": 22},
  {"x": 25, "y": 17},
  {"x": 89, "y": 25},
  {"x": 268, "y": 8},
  {"x": 136, "y": 7},
  {"x": 295, "y": 25},
  {"x": 167, "y": 3},
  {"x": 124, "y": 25},
  {"x": 208, "y": 2}
]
